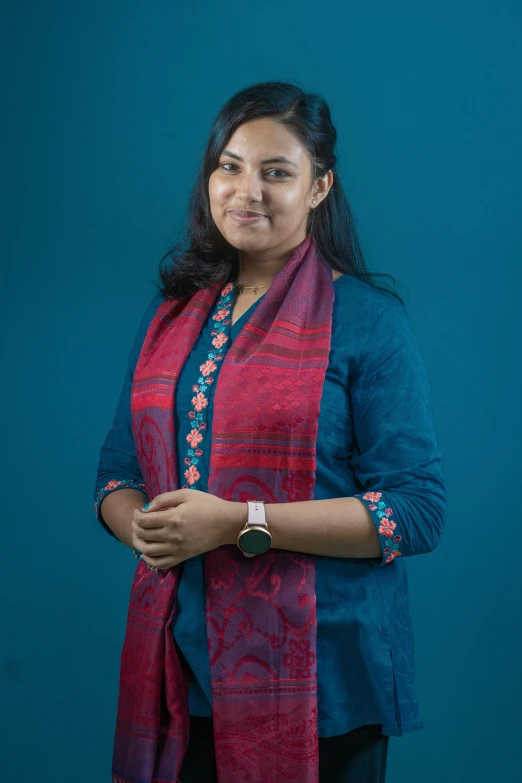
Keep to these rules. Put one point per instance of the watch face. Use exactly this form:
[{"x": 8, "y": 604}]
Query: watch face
[{"x": 255, "y": 541}]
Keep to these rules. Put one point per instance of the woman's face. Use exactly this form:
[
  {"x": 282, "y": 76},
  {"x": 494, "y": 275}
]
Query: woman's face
[{"x": 248, "y": 179}]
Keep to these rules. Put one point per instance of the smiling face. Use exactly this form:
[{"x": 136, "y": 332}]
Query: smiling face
[{"x": 249, "y": 179}]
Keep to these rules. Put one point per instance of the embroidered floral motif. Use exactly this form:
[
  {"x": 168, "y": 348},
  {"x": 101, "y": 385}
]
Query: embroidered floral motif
[
  {"x": 387, "y": 525},
  {"x": 112, "y": 485},
  {"x": 208, "y": 370}
]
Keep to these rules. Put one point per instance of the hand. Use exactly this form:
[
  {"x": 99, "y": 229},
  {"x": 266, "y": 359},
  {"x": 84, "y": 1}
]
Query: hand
[{"x": 182, "y": 524}]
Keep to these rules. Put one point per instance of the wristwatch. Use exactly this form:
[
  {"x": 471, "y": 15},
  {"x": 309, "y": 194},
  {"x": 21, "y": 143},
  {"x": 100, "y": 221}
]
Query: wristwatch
[{"x": 255, "y": 537}]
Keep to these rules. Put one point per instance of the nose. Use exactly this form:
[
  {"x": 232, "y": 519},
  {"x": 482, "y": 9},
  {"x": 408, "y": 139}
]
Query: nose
[{"x": 248, "y": 187}]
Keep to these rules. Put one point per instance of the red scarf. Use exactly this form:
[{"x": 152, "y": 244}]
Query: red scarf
[{"x": 260, "y": 611}]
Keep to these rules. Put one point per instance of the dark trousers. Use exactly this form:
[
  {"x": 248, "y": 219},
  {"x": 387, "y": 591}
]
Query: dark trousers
[{"x": 359, "y": 756}]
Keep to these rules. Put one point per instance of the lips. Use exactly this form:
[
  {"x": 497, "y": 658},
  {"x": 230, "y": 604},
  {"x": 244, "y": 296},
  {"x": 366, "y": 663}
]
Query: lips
[
  {"x": 244, "y": 219},
  {"x": 244, "y": 213}
]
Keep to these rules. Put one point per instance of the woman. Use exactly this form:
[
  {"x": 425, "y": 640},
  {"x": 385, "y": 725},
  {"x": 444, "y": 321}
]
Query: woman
[{"x": 268, "y": 635}]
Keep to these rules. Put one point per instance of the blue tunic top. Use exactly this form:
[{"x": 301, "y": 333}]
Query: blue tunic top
[{"x": 376, "y": 441}]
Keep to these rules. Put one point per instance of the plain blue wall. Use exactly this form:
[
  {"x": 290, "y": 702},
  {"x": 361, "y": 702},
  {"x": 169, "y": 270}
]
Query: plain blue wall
[{"x": 107, "y": 110}]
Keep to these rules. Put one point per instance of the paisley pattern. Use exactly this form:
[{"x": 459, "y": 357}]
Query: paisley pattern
[{"x": 261, "y": 612}]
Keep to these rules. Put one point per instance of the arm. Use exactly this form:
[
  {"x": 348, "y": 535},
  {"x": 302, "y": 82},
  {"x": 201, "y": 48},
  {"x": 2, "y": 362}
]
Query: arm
[
  {"x": 397, "y": 462},
  {"x": 118, "y": 508},
  {"x": 118, "y": 466},
  {"x": 337, "y": 527}
]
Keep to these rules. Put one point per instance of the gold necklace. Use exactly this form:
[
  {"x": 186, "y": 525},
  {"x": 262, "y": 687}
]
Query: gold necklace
[{"x": 240, "y": 288}]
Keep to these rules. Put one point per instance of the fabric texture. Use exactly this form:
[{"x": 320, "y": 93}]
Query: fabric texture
[
  {"x": 358, "y": 756},
  {"x": 260, "y": 612},
  {"x": 362, "y": 612},
  {"x": 376, "y": 433}
]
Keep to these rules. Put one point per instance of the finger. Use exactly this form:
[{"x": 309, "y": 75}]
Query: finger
[
  {"x": 166, "y": 500},
  {"x": 148, "y": 537},
  {"x": 146, "y": 521},
  {"x": 138, "y": 530},
  {"x": 147, "y": 534},
  {"x": 154, "y": 550}
]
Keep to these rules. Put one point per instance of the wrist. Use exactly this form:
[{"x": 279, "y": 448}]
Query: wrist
[{"x": 236, "y": 520}]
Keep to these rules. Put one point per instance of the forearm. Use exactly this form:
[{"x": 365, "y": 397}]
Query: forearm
[
  {"x": 117, "y": 510},
  {"x": 337, "y": 527}
]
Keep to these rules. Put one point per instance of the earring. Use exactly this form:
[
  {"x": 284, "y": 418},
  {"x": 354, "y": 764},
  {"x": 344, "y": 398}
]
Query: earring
[{"x": 314, "y": 202}]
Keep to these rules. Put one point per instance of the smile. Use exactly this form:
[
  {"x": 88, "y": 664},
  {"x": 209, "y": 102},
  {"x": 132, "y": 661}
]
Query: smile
[{"x": 244, "y": 218}]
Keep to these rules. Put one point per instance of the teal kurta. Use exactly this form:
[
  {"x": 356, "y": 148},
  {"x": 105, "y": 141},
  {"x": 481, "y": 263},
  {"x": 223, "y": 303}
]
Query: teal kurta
[{"x": 377, "y": 440}]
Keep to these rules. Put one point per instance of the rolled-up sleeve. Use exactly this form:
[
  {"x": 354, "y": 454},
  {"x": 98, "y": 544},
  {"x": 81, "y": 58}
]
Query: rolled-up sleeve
[
  {"x": 118, "y": 466},
  {"x": 397, "y": 460}
]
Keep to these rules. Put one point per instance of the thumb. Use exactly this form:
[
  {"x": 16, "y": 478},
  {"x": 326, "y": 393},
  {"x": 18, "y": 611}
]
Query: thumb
[{"x": 165, "y": 500}]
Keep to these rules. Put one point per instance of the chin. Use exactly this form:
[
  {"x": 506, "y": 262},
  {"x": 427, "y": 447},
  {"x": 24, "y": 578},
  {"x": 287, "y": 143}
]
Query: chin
[{"x": 243, "y": 241}]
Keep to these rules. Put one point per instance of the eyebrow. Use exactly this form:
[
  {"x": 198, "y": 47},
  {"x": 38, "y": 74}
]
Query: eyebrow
[{"x": 280, "y": 159}]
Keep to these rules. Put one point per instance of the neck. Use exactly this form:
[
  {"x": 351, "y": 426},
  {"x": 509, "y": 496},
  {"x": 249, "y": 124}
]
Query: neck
[
  {"x": 256, "y": 271},
  {"x": 259, "y": 269}
]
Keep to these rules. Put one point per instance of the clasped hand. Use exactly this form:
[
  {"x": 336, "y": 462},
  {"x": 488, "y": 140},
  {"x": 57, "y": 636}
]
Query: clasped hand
[{"x": 180, "y": 524}]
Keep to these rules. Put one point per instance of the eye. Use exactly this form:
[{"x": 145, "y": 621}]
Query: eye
[
  {"x": 281, "y": 171},
  {"x": 227, "y": 164}
]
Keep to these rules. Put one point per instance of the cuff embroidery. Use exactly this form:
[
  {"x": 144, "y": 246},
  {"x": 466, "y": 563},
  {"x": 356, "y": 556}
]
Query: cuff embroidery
[
  {"x": 111, "y": 486},
  {"x": 387, "y": 525}
]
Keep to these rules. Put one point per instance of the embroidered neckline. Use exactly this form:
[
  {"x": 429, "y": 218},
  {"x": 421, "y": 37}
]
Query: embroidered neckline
[{"x": 198, "y": 414}]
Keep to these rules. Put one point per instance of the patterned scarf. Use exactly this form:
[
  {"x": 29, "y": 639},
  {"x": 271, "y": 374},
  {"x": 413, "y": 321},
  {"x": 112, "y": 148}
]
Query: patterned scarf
[{"x": 260, "y": 611}]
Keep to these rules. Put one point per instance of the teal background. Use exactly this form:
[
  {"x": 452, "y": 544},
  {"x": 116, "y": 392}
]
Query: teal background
[{"x": 107, "y": 108}]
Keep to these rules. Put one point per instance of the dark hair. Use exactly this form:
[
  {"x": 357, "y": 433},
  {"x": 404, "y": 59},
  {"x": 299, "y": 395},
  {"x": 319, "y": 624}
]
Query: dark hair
[{"x": 207, "y": 256}]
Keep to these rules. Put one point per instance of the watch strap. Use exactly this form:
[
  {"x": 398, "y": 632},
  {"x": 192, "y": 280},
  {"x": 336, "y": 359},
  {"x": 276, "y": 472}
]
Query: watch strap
[{"x": 256, "y": 514}]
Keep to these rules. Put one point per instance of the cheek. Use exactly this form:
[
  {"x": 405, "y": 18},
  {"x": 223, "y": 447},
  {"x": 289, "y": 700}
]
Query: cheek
[
  {"x": 291, "y": 199},
  {"x": 215, "y": 197},
  {"x": 216, "y": 190}
]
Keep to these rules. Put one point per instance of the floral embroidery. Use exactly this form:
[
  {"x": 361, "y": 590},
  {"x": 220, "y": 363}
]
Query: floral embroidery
[
  {"x": 199, "y": 402},
  {"x": 112, "y": 485},
  {"x": 387, "y": 525}
]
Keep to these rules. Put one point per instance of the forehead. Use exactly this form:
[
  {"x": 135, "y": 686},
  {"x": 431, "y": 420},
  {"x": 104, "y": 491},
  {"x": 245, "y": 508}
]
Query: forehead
[{"x": 260, "y": 138}]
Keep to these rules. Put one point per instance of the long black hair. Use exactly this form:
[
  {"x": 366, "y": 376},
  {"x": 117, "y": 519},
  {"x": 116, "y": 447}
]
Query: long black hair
[{"x": 204, "y": 256}]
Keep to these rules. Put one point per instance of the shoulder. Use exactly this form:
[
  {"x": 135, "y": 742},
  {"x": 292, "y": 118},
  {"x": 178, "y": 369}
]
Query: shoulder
[
  {"x": 146, "y": 319},
  {"x": 153, "y": 305},
  {"x": 149, "y": 313},
  {"x": 360, "y": 302},
  {"x": 364, "y": 318}
]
